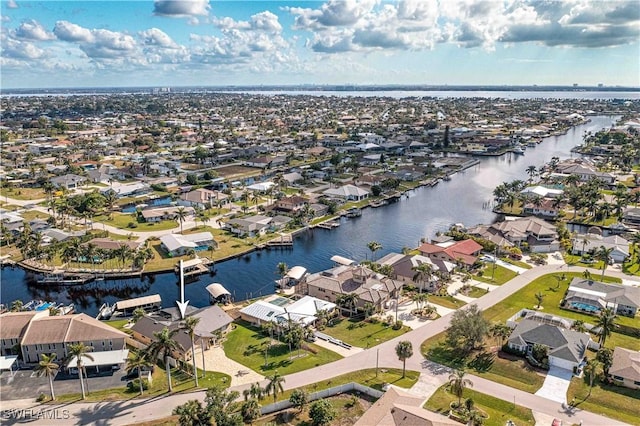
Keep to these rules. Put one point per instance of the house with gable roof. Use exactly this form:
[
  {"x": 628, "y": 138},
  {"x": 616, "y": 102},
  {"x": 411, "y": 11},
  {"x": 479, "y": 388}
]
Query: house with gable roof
[
  {"x": 625, "y": 368},
  {"x": 465, "y": 251}
]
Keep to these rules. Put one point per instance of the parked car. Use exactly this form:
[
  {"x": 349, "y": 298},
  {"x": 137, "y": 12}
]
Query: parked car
[{"x": 488, "y": 258}]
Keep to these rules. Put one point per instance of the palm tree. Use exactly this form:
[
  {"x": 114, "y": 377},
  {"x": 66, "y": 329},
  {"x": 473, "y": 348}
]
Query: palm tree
[
  {"x": 458, "y": 383},
  {"x": 275, "y": 385},
  {"x": 181, "y": 215},
  {"x": 138, "y": 361},
  {"x": 586, "y": 275},
  {"x": 348, "y": 301},
  {"x": 404, "y": 350},
  {"x": 250, "y": 410},
  {"x": 374, "y": 246},
  {"x": 591, "y": 368},
  {"x": 189, "y": 325},
  {"x": 423, "y": 272},
  {"x": 255, "y": 391},
  {"x": 606, "y": 322},
  {"x": 164, "y": 345},
  {"x": 48, "y": 368},
  {"x": 282, "y": 270},
  {"x": 539, "y": 297},
  {"x": 604, "y": 255},
  {"x": 79, "y": 351},
  {"x": 531, "y": 171},
  {"x": 16, "y": 305}
]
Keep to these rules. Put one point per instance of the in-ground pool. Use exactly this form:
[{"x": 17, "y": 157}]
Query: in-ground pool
[{"x": 585, "y": 307}]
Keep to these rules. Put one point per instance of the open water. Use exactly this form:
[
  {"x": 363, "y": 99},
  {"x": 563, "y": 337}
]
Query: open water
[{"x": 421, "y": 213}]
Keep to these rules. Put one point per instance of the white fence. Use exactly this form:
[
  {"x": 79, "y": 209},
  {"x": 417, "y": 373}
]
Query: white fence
[{"x": 336, "y": 390}]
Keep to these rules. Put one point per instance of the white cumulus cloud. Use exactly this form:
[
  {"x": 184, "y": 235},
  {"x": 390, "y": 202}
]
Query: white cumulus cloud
[{"x": 181, "y": 8}]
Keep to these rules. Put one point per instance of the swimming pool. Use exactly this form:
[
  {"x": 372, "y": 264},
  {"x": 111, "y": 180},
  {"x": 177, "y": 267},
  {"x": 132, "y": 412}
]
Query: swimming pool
[{"x": 585, "y": 307}]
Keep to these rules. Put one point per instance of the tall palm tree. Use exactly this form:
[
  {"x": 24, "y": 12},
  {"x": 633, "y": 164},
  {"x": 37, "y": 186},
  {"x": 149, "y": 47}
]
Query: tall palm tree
[
  {"x": 591, "y": 368},
  {"x": 606, "y": 322},
  {"x": 532, "y": 171},
  {"x": 189, "y": 325},
  {"x": 458, "y": 383},
  {"x": 138, "y": 361},
  {"x": 163, "y": 345},
  {"x": 604, "y": 255},
  {"x": 404, "y": 350},
  {"x": 374, "y": 246},
  {"x": 422, "y": 273},
  {"x": 48, "y": 368},
  {"x": 275, "y": 385},
  {"x": 181, "y": 215},
  {"x": 255, "y": 391},
  {"x": 80, "y": 351},
  {"x": 348, "y": 301}
]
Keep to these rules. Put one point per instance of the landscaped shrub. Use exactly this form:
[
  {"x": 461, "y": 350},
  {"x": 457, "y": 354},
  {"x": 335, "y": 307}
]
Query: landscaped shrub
[{"x": 397, "y": 325}]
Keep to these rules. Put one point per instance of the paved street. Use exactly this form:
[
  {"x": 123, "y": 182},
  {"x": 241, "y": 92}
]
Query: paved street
[{"x": 125, "y": 412}]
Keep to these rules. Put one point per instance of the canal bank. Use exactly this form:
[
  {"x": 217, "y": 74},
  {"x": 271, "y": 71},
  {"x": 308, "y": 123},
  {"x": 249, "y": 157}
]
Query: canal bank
[{"x": 420, "y": 213}]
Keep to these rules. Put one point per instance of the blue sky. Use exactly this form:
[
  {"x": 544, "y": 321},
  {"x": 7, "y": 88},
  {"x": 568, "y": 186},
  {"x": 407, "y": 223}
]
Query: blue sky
[{"x": 201, "y": 42}]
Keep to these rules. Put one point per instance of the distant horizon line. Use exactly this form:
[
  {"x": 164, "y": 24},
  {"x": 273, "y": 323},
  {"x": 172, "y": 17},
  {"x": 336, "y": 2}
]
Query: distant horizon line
[{"x": 336, "y": 87}]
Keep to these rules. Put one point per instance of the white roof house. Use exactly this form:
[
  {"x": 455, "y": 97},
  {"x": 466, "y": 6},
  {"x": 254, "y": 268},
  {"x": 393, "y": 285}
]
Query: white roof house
[
  {"x": 175, "y": 243},
  {"x": 542, "y": 191},
  {"x": 303, "y": 311},
  {"x": 261, "y": 186},
  {"x": 348, "y": 192}
]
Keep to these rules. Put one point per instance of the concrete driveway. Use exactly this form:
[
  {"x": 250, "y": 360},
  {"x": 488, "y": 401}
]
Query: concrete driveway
[{"x": 556, "y": 384}]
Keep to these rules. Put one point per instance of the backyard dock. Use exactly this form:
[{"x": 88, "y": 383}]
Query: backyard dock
[{"x": 285, "y": 240}]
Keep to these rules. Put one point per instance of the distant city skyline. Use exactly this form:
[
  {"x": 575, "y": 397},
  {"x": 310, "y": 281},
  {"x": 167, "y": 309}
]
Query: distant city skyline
[{"x": 49, "y": 44}]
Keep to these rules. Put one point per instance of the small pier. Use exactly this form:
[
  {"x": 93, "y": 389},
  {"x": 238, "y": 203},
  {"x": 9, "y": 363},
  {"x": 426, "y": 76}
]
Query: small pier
[
  {"x": 285, "y": 240},
  {"x": 328, "y": 225}
]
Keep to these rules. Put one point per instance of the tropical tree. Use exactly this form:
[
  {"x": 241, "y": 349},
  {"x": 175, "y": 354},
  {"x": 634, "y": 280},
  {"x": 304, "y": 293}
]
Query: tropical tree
[
  {"x": 374, "y": 246},
  {"x": 48, "y": 368},
  {"x": 532, "y": 171},
  {"x": 422, "y": 273},
  {"x": 255, "y": 391},
  {"x": 299, "y": 399},
  {"x": 592, "y": 368},
  {"x": 181, "y": 215},
  {"x": 404, "y": 350},
  {"x": 606, "y": 323},
  {"x": 136, "y": 362},
  {"x": 458, "y": 383},
  {"x": 192, "y": 413},
  {"x": 467, "y": 329},
  {"x": 138, "y": 314},
  {"x": 603, "y": 254},
  {"x": 501, "y": 332},
  {"x": 420, "y": 299},
  {"x": 321, "y": 413},
  {"x": 250, "y": 410},
  {"x": 282, "y": 270},
  {"x": 16, "y": 305},
  {"x": 578, "y": 325},
  {"x": 347, "y": 301},
  {"x": 189, "y": 325},
  {"x": 163, "y": 345},
  {"x": 80, "y": 351},
  {"x": 539, "y": 298},
  {"x": 605, "y": 357},
  {"x": 275, "y": 385},
  {"x": 222, "y": 407}
]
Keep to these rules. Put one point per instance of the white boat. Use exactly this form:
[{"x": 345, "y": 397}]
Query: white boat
[{"x": 517, "y": 150}]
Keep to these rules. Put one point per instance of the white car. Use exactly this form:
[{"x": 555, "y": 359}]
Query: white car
[{"x": 488, "y": 258}]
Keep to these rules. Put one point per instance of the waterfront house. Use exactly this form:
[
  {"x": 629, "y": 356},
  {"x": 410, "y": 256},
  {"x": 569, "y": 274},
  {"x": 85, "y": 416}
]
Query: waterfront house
[
  {"x": 463, "y": 252},
  {"x": 347, "y": 192},
  {"x": 109, "y": 244},
  {"x": 303, "y": 311},
  {"x": 214, "y": 323},
  {"x": 546, "y": 208},
  {"x": 625, "y": 368},
  {"x": 181, "y": 244},
  {"x": 566, "y": 348},
  {"x": 540, "y": 236},
  {"x": 589, "y": 243},
  {"x": 291, "y": 204},
  {"x": 368, "y": 286},
  {"x": 592, "y": 297},
  {"x": 584, "y": 171},
  {"x": 631, "y": 217},
  {"x": 250, "y": 226},
  {"x": 40, "y": 333},
  {"x": 403, "y": 267}
]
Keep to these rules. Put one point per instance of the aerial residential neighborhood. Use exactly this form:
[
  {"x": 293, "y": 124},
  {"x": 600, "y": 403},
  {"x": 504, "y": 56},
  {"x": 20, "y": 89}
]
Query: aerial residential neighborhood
[{"x": 331, "y": 213}]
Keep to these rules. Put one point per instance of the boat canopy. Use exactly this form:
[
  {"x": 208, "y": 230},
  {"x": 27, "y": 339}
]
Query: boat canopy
[
  {"x": 297, "y": 272},
  {"x": 216, "y": 290},
  {"x": 342, "y": 260},
  {"x": 102, "y": 358},
  {"x": 138, "y": 301}
]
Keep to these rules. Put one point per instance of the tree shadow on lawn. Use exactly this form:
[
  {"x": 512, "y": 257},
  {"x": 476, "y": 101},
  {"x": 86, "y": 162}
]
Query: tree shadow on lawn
[
  {"x": 443, "y": 354},
  {"x": 482, "y": 361}
]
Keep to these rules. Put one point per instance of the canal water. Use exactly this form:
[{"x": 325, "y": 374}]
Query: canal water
[{"x": 419, "y": 214}]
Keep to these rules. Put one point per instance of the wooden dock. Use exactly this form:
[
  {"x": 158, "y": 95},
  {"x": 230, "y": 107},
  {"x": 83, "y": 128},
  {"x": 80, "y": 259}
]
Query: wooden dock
[
  {"x": 285, "y": 240},
  {"x": 328, "y": 225}
]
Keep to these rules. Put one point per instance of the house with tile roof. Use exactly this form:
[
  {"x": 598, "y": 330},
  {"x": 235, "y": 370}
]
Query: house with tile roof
[
  {"x": 566, "y": 348},
  {"x": 347, "y": 192},
  {"x": 367, "y": 285},
  {"x": 465, "y": 252},
  {"x": 539, "y": 235},
  {"x": 588, "y": 243},
  {"x": 625, "y": 368}
]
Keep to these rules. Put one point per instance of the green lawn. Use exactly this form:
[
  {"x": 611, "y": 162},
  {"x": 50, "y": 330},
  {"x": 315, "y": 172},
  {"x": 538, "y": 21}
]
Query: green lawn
[
  {"x": 519, "y": 263},
  {"x": 347, "y": 413},
  {"x": 33, "y": 214},
  {"x": 119, "y": 324},
  {"x": 500, "y": 276},
  {"x": 609, "y": 400},
  {"x": 361, "y": 333},
  {"x": 181, "y": 381},
  {"x": 499, "y": 411},
  {"x": 553, "y": 293},
  {"x": 446, "y": 301},
  {"x": 477, "y": 291},
  {"x": 514, "y": 372},
  {"x": 22, "y": 193},
  {"x": 246, "y": 345},
  {"x": 122, "y": 221}
]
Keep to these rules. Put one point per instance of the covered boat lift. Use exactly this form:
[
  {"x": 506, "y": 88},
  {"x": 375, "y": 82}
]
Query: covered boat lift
[
  {"x": 342, "y": 260},
  {"x": 218, "y": 294}
]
